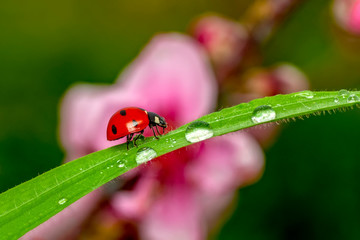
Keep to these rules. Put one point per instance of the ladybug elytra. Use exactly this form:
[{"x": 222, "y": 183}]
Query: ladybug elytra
[{"x": 132, "y": 120}]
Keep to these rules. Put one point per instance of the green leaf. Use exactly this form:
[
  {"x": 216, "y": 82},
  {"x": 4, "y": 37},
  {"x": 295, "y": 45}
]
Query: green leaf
[{"x": 27, "y": 205}]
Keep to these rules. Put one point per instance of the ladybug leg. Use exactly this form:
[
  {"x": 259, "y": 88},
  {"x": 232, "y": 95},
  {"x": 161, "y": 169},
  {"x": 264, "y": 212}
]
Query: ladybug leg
[
  {"x": 152, "y": 128},
  {"x": 137, "y": 137},
  {"x": 127, "y": 142},
  {"x": 157, "y": 130},
  {"x": 128, "y": 139},
  {"x": 134, "y": 141}
]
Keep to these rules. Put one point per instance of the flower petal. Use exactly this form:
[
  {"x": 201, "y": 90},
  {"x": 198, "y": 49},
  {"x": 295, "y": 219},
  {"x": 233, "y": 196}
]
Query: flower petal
[
  {"x": 175, "y": 215},
  {"x": 224, "y": 40},
  {"x": 347, "y": 15},
  {"x": 354, "y": 20},
  {"x": 133, "y": 204},
  {"x": 225, "y": 163},
  {"x": 173, "y": 77}
]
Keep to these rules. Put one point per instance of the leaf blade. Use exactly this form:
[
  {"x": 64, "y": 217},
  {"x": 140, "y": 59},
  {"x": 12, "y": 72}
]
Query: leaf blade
[{"x": 33, "y": 202}]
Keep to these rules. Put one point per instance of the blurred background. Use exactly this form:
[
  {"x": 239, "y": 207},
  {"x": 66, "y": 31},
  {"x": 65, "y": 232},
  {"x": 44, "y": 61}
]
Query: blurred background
[{"x": 310, "y": 188}]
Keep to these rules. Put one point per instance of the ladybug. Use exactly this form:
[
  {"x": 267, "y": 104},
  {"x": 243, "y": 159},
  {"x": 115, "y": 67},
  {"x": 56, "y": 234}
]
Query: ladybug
[{"x": 132, "y": 120}]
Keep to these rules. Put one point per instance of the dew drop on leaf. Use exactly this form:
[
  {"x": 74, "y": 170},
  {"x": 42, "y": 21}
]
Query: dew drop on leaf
[
  {"x": 198, "y": 131},
  {"x": 145, "y": 154},
  {"x": 306, "y": 94},
  {"x": 62, "y": 201},
  {"x": 343, "y": 93},
  {"x": 352, "y": 98},
  {"x": 262, "y": 114}
]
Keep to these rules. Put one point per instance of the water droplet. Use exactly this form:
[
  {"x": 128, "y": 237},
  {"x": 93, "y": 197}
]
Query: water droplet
[
  {"x": 62, "y": 201},
  {"x": 352, "y": 98},
  {"x": 112, "y": 166},
  {"x": 344, "y": 93},
  {"x": 80, "y": 169},
  {"x": 336, "y": 100},
  {"x": 306, "y": 94},
  {"x": 217, "y": 118},
  {"x": 262, "y": 114},
  {"x": 121, "y": 165},
  {"x": 145, "y": 154},
  {"x": 198, "y": 131},
  {"x": 101, "y": 172}
]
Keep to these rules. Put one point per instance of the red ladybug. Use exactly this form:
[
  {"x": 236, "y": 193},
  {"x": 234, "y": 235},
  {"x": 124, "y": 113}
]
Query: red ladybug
[{"x": 133, "y": 120}]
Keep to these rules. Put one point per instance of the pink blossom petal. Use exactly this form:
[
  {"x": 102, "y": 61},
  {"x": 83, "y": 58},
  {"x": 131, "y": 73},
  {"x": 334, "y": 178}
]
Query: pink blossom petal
[
  {"x": 354, "y": 20},
  {"x": 134, "y": 204},
  {"x": 227, "y": 162},
  {"x": 174, "y": 78},
  {"x": 223, "y": 165},
  {"x": 66, "y": 223},
  {"x": 280, "y": 79},
  {"x": 347, "y": 15},
  {"x": 213, "y": 206},
  {"x": 175, "y": 215},
  {"x": 224, "y": 40}
]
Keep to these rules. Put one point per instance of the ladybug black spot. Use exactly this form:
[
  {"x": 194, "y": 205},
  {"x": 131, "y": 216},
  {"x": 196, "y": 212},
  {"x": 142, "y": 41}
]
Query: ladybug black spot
[
  {"x": 113, "y": 129},
  {"x": 135, "y": 123},
  {"x": 122, "y": 112}
]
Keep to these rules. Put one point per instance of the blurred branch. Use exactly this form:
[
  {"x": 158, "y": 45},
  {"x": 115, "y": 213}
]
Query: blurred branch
[{"x": 264, "y": 16}]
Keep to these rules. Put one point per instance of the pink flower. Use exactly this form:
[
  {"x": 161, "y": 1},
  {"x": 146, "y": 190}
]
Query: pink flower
[
  {"x": 224, "y": 40},
  {"x": 176, "y": 196},
  {"x": 347, "y": 15},
  {"x": 354, "y": 21},
  {"x": 279, "y": 79}
]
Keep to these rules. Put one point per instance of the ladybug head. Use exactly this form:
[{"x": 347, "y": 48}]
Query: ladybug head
[{"x": 157, "y": 120}]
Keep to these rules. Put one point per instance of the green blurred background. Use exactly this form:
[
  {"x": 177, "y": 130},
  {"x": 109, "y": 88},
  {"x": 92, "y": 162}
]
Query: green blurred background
[{"x": 311, "y": 184}]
